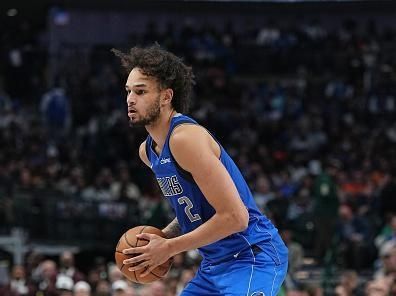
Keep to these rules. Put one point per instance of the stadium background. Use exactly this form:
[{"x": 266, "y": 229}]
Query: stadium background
[{"x": 301, "y": 93}]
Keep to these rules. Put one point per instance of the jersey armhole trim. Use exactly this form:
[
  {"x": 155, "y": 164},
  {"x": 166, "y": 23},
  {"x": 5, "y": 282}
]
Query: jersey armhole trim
[{"x": 148, "y": 144}]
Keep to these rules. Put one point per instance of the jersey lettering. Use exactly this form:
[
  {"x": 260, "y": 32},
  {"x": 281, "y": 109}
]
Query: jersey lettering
[
  {"x": 170, "y": 186},
  {"x": 187, "y": 209}
]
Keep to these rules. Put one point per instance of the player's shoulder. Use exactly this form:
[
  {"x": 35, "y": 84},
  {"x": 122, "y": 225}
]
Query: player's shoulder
[
  {"x": 187, "y": 132},
  {"x": 190, "y": 138},
  {"x": 143, "y": 153}
]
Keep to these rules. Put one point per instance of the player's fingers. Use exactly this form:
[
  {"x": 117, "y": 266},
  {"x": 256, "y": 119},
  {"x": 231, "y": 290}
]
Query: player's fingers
[
  {"x": 136, "y": 259},
  {"x": 147, "y": 236},
  {"x": 137, "y": 250},
  {"x": 143, "y": 264}
]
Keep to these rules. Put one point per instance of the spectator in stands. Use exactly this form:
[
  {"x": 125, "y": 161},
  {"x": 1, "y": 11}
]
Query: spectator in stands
[
  {"x": 64, "y": 285},
  {"x": 171, "y": 284},
  {"x": 103, "y": 288},
  {"x": 296, "y": 252},
  {"x": 178, "y": 265},
  {"x": 387, "y": 255},
  {"x": 81, "y": 288},
  {"x": 68, "y": 268},
  {"x": 115, "y": 274},
  {"x": 348, "y": 285},
  {"x": 305, "y": 290},
  {"x": 119, "y": 288},
  {"x": 262, "y": 191},
  {"x": 33, "y": 261},
  {"x": 55, "y": 109},
  {"x": 154, "y": 289},
  {"x": 379, "y": 287},
  {"x": 19, "y": 284},
  {"x": 123, "y": 189},
  {"x": 74, "y": 182},
  {"x": 100, "y": 189},
  {"x": 47, "y": 275},
  {"x": 131, "y": 291},
  {"x": 353, "y": 239},
  {"x": 301, "y": 203},
  {"x": 388, "y": 232},
  {"x": 325, "y": 208}
]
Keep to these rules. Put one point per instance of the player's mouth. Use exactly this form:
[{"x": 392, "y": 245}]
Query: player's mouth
[{"x": 131, "y": 112}]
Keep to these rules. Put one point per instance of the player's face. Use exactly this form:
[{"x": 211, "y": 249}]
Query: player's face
[{"x": 143, "y": 98}]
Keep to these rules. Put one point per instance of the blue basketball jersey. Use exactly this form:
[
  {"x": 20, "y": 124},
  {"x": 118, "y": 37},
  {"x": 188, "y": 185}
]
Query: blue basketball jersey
[{"x": 192, "y": 209}]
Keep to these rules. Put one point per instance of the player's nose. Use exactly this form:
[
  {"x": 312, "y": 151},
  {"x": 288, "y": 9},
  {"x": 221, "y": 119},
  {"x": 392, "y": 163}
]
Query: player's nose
[{"x": 131, "y": 99}]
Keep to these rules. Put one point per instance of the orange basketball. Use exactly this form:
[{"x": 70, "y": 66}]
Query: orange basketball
[{"x": 129, "y": 240}]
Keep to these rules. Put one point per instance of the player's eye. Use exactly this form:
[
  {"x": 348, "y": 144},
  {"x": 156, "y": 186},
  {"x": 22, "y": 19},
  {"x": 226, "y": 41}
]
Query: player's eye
[{"x": 140, "y": 92}]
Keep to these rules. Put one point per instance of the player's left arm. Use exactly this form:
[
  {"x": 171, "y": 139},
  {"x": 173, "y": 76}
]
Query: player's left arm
[{"x": 196, "y": 152}]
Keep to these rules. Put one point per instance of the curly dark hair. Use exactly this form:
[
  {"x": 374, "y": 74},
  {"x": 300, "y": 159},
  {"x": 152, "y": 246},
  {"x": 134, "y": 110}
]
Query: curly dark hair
[{"x": 168, "y": 69}]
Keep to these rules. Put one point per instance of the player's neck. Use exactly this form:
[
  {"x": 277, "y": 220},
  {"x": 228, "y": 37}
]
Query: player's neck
[{"x": 159, "y": 129}]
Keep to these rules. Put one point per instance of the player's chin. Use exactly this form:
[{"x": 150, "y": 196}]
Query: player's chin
[
  {"x": 132, "y": 117},
  {"x": 135, "y": 122},
  {"x": 132, "y": 122}
]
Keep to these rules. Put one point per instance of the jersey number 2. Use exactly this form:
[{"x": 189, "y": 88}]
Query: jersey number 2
[{"x": 187, "y": 209}]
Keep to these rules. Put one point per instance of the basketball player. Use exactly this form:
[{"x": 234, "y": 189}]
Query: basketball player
[{"x": 242, "y": 251}]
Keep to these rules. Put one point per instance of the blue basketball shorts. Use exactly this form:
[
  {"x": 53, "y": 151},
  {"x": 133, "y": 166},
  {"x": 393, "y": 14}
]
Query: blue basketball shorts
[{"x": 249, "y": 273}]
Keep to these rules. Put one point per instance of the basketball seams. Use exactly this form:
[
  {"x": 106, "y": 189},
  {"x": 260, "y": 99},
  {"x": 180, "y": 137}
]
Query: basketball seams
[
  {"x": 122, "y": 266},
  {"x": 141, "y": 231},
  {"x": 126, "y": 240},
  {"x": 119, "y": 241},
  {"x": 159, "y": 277}
]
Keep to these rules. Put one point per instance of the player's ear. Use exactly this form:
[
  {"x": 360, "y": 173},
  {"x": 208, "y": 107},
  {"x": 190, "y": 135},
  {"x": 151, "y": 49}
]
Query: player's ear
[{"x": 168, "y": 95}]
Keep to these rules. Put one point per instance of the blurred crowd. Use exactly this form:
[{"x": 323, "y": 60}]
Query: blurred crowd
[
  {"x": 306, "y": 111},
  {"x": 48, "y": 277}
]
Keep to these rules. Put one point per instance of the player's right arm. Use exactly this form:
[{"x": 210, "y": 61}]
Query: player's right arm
[
  {"x": 173, "y": 229},
  {"x": 143, "y": 154}
]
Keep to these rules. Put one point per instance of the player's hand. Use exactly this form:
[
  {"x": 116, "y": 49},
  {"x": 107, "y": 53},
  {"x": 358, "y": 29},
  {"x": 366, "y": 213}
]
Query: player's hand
[{"x": 148, "y": 257}]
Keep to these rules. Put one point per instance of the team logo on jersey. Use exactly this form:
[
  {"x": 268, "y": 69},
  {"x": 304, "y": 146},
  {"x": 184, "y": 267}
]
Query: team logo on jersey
[
  {"x": 165, "y": 160},
  {"x": 258, "y": 294},
  {"x": 170, "y": 186}
]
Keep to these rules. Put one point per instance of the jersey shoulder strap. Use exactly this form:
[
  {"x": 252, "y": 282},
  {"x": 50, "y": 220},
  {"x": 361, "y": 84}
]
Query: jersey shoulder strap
[{"x": 179, "y": 120}]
